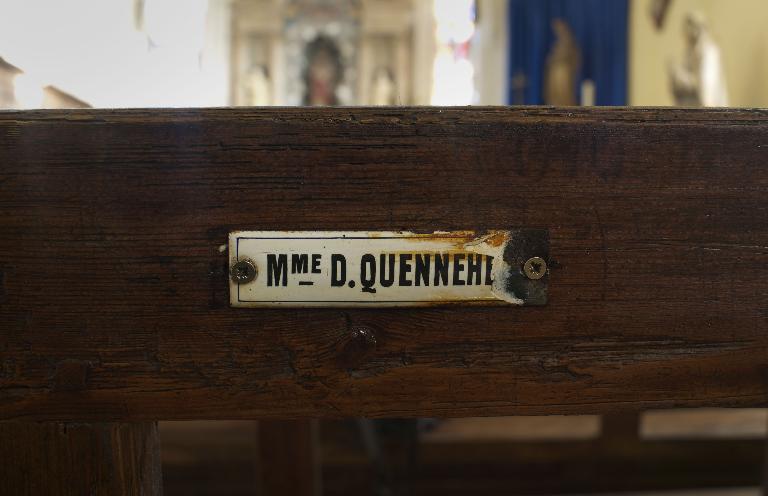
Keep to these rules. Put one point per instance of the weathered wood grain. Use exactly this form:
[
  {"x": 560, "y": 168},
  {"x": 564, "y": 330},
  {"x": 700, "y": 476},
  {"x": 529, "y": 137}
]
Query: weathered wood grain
[
  {"x": 113, "y": 292},
  {"x": 74, "y": 459}
]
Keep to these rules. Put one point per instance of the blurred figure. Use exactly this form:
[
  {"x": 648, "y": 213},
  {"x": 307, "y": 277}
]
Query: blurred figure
[
  {"x": 699, "y": 80},
  {"x": 323, "y": 73},
  {"x": 563, "y": 63}
]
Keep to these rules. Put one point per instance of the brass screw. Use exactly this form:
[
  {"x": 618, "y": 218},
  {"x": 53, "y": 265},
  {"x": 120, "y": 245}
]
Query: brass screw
[
  {"x": 243, "y": 271},
  {"x": 535, "y": 268}
]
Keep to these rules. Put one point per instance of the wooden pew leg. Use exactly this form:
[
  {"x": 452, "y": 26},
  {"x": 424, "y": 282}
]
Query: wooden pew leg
[
  {"x": 288, "y": 458},
  {"x": 621, "y": 428},
  {"x": 764, "y": 489},
  {"x": 85, "y": 458}
]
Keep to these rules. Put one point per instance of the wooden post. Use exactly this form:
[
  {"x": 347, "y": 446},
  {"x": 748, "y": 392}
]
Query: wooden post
[
  {"x": 288, "y": 458},
  {"x": 73, "y": 459},
  {"x": 622, "y": 428}
]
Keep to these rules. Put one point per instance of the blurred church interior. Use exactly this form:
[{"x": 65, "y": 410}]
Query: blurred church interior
[{"x": 200, "y": 53}]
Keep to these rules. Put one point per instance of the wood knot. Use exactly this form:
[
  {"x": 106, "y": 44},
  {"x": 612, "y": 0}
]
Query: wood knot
[
  {"x": 357, "y": 346},
  {"x": 71, "y": 375}
]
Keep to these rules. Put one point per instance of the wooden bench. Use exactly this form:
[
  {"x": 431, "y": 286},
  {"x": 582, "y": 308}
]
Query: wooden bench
[{"x": 114, "y": 307}]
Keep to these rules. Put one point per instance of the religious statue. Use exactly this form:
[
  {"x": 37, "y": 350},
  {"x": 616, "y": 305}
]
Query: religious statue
[
  {"x": 8, "y": 74},
  {"x": 323, "y": 73},
  {"x": 383, "y": 87},
  {"x": 659, "y": 11},
  {"x": 562, "y": 67},
  {"x": 699, "y": 80}
]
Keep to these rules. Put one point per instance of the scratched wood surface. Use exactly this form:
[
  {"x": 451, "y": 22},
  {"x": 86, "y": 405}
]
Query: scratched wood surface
[{"x": 113, "y": 291}]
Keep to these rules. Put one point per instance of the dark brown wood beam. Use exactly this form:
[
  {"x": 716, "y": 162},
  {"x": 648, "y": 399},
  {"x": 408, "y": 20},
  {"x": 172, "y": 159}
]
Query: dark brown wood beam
[
  {"x": 113, "y": 288},
  {"x": 74, "y": 459},
  {"x": 288, "y": 458}
]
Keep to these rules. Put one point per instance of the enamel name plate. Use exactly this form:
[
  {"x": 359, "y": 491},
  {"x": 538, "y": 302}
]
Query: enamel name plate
[{"x": 388, "y": 269}]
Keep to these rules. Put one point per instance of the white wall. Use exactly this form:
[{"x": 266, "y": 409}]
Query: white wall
[{"x": 92, "y": 50}]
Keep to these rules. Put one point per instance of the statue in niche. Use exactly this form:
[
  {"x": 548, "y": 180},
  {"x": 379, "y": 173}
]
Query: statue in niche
[
  {"x": 562, "y": 67},
  {"x": 323, "y": 73},
  {"x": 659, "y": 11},
  {"x": 258, "y": 91},
  {"x": 699, "y": 80},
  {"x": 383, "y": 88}
]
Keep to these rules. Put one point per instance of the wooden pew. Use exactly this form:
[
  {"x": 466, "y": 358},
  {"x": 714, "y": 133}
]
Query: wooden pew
[{"x": 114, "y": 305}]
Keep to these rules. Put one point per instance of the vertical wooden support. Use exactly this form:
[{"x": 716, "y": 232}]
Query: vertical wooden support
[
  {"x": 621, "y": 428},
  {"x": 73, "y": 459},
  {"x": 288, "y": 458},
  {"x": 764, "y": 475}
]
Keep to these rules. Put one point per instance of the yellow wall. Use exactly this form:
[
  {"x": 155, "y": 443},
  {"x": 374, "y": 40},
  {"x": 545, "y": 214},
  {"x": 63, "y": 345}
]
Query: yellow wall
[{"x": 740, "y": 28}]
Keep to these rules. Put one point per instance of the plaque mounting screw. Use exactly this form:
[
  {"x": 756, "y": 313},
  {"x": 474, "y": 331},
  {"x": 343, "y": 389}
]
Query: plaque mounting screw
[
  {"x": 243, "y": 271},
  {"x": 535, "y": 268}
]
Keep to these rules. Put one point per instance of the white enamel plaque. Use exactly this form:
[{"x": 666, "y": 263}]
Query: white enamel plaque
[{"x": 382, "y": 269}]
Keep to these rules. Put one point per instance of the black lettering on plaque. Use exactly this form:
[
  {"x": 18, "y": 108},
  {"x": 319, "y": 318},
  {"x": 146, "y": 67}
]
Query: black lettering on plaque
[
  {"x": 474, "y": 267},
  {"x": 422, "y": 269},
  {"x": 385, "y": 280},
  {"x": 458, "y": 267},
  {"x": 368, "y": 273},
  {"x": 405, "y": 269},
  {"x": 488, "y": 272},
  {"x": 441, "y": 269},
  {"x": 277, "y": 270},
  {"x": 299, "y": 263},
  {"x": 338, "y": 270}
]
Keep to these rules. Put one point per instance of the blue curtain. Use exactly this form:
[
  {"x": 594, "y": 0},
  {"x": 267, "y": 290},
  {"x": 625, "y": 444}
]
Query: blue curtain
[{"x": 600, "y": 26}]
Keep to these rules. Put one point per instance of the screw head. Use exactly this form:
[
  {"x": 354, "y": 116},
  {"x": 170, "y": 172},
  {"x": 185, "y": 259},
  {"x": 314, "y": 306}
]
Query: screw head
[
  {"x": 243, "y": 271},
  {"x": 535, "y": 268}
]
